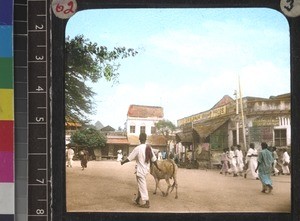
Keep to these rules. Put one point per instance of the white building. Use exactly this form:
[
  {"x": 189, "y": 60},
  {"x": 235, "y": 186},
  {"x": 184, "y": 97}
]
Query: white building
[{"x": 142, "y": 119}]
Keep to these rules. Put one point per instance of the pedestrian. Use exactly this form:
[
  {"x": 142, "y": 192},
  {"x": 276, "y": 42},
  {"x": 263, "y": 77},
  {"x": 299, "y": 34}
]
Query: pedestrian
[
  {"x": 83, "y": 156},
  {"x": 285, "y": 162},
  {"x": 224, "y": 162},
  {"x": 70, "y": 155},
  {"x": 239, "y": 160},
  {"x": 119, "y": 156},
  {"x": 252, "y": 162},
  {"x": 143, "y": 154},
  {"x": 264, "y": 167},
  {"x": 275, "y": 164},
  {"x": 232, "y": 159}
]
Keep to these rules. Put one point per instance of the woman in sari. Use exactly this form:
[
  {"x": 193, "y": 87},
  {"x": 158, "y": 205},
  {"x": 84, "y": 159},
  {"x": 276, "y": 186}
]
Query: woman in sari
[{"x": 265, "y": 162}]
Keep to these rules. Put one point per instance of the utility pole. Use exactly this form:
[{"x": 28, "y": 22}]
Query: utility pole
[
  {"x": 237, "y": 117},
  {"x": 242, "y": 112}
]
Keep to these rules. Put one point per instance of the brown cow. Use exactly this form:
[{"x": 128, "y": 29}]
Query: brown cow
[{"x": 168, "y": 171}]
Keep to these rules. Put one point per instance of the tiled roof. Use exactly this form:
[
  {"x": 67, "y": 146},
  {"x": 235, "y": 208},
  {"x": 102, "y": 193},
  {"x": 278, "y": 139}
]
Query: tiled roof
[
  {"x": 107, "y": 128},
  {"x": 225, "y": 100},
  {"x": 142, "y": 111},
  {"x": 117, "y": 140}
]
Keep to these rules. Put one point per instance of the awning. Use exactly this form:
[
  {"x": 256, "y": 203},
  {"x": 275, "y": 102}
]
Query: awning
[
  {"x": 205, "y": 128},
  {"x": 117, "y": 140},
  {"x": 157, "y": 140},
  {"x": 185, "y": 137}
]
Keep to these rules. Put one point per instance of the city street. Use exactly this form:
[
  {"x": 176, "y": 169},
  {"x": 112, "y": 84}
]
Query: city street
[{"x": 106, "y": 186}]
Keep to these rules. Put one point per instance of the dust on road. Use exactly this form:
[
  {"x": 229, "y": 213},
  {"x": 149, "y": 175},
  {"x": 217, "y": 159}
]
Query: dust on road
[{"x": 106, "y": 186}]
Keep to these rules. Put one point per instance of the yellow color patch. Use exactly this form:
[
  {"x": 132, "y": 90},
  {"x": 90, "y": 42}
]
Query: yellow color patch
[{"x": 6, "y": 104}]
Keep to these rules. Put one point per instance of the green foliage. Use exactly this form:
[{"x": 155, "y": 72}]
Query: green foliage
[
  {"x": 86, "y": 61},
  {"x": 88, "y": 137},
  {"x": 165, "y": 127}
]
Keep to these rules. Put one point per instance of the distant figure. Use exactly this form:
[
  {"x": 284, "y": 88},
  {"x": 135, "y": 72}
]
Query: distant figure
[
  {"x": 159, "y": 155},
  {"x": 224, "y": 162},
  {"x": 120, "y": 156},
  {"x": 83, "y": 156},
  {"x": 265, "y": 162},
  {"x": 164, "y": 154},
  {"x": 252, "y": 162},
  {"x": 275, "y": 156},
  {"x": 143, "y": 154},
  {"x": 239, "y": 160},
  {"x": 70, "y": 155},
  {"x": 232, "y": 159},
  {"x": 285, "y": 162}
]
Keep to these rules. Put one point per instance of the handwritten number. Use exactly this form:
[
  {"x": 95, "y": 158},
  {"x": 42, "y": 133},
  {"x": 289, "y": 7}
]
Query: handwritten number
[
  {"x": 70, "y": 10},
  {"x": 61, "y": 8},
  {"x": 290, "y": 6}
]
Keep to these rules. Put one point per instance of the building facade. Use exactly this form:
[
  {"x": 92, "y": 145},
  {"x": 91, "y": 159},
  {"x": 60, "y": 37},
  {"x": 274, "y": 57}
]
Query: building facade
[
  {"x": 142, "y": 118},
  {"x": 240, "y": 121}
]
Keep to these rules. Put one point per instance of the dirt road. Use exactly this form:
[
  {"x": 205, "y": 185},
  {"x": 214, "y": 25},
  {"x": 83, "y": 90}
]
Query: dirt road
[{"x": 106, "y": 186}]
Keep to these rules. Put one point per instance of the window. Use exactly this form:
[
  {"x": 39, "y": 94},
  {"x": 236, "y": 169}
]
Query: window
[
  {"x": 280, "y": 137},
  {"x": 153, "y": 130},
  {"x": 142, "y": 129},
  {"x": 132, "y": 129}
]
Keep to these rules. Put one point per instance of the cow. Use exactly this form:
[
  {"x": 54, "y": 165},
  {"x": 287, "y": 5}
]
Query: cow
[{"x": 168, "y": 170}]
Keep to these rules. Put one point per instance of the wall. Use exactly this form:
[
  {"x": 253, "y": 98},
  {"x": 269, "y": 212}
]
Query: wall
[{"x": 137, "y": 122}]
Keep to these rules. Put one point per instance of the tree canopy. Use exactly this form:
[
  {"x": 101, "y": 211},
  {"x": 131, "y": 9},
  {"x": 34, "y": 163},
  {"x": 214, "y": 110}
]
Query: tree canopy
[
  {"x": 86, "y": 61},
  {"x": 165, "y": 127},
  {"x": 88, "y": 137}
]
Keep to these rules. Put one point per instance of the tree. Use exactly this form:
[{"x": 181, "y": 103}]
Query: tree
[
  {"x": 90, "y": 138},
  {"x": 86, "y": 61},
  {"x": 165, "y": 127}
]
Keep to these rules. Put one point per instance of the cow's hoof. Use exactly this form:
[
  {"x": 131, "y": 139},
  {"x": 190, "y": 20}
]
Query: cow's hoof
[
  {"x": 164, "y": 194},
  {"x": 154, "y": 193},
  {"x": 176, "y": 197}
]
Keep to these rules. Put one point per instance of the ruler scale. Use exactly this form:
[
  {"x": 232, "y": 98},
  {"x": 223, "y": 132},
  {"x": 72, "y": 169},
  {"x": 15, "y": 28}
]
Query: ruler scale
[
  {"x": 38, "y": 92},
  {"x": 21, "y": 131}
]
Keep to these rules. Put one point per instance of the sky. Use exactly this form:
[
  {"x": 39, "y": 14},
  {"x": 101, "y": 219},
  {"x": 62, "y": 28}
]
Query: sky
[{"x": 188, "y": 59}]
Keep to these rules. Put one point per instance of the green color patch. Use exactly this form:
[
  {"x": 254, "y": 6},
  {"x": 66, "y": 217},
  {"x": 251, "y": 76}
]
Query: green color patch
[{"x": 6, "y": 73}]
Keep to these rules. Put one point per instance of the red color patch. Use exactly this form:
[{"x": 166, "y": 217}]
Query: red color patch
[{"x": 7, "y": 136}]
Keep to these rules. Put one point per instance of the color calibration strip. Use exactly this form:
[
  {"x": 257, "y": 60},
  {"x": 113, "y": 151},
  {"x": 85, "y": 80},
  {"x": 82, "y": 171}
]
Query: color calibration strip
[{"x": 7, "y": 181}]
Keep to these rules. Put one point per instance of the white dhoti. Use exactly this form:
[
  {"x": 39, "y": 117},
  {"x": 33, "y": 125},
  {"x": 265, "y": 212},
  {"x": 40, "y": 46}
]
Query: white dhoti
[{"x": 142, "y": 185}]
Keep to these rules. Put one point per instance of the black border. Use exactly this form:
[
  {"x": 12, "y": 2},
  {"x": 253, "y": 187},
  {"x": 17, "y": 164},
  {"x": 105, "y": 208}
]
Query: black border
[{"x": 57, "y": 130}]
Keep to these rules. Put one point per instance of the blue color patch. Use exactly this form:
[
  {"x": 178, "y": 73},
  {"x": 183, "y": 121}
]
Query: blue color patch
[
  {"x": 6, "y": 12},
  {"x": 6, "y": 36}
]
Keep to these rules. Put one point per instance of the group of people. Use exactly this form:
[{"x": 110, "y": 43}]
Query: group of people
[
  {"x": 261, "y": 165},
  {"x": 83, "y": 157}
]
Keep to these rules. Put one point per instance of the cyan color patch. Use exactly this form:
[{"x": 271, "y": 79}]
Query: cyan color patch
[{"x": 6, "y": 49}]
